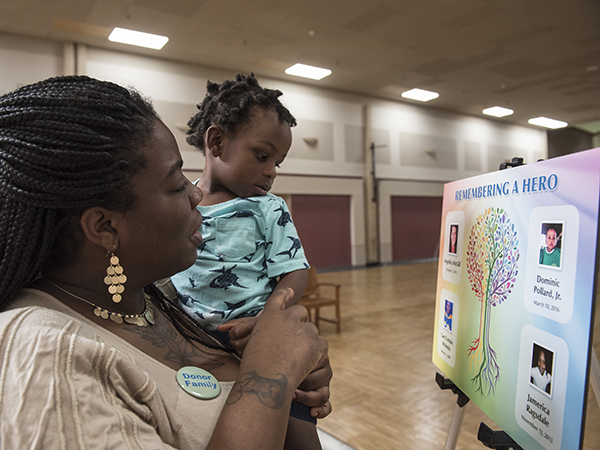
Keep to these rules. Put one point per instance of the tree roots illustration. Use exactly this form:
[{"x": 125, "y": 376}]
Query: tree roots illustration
[{"x": 492, "y": 257}]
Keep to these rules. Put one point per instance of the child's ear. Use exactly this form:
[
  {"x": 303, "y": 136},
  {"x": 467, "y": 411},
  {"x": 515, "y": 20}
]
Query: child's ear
[{"x": 213, "y": 140}]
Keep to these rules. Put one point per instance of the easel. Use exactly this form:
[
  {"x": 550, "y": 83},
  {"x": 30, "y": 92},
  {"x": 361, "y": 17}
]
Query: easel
[
  {"x": 493, "y": 439},
  {"x": 459, "y": 410},
  {"x": 497, "y": 439}
]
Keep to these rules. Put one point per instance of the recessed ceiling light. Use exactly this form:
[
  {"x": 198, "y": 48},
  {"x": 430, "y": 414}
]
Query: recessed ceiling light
[
  {"x": 497, "y": 111},
  {"x": 302, "y": 70},
  {"x": 138, "y": 38},
  {"x": 420, "y": 95},
  {"x": 548, "y": 123}
]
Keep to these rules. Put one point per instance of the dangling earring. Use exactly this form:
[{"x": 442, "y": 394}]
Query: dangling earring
[{"x": 115, "y": 278}]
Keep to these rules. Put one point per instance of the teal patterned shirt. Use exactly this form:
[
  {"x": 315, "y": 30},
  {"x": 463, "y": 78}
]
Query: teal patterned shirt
[{"x": 247, "y": 244}]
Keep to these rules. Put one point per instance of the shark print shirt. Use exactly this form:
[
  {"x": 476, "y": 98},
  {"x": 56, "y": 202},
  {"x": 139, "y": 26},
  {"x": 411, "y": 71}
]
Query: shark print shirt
[{"x": 247, "y": 244}]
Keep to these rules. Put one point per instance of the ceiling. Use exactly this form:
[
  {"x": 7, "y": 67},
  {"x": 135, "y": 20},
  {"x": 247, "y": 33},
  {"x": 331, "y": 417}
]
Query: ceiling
[{"x": 537, "y": 57}]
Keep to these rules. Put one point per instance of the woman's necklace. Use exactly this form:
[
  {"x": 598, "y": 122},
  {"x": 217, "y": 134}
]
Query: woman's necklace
[{"x": 141, "y": 320}]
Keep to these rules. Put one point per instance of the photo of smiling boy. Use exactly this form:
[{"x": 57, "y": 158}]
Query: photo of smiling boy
[
  {"x": 541, "y": 368},
  {"x": 551, "y": 252}
]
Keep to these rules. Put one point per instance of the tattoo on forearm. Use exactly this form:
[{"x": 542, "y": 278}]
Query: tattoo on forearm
[{"x": 270, "y": 392}]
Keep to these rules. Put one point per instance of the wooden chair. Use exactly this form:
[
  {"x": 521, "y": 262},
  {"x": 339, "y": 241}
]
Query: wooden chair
[{"x": 312, "y": 299}]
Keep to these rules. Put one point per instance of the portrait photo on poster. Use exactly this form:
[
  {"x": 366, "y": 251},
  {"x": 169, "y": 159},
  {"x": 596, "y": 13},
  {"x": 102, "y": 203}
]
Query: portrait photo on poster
[
  {"x": 551, "y": 247},
  {"x": 453, "y": 241},
  {"x": 448, "y": 309},
  {"x": 542, "y": 360}
]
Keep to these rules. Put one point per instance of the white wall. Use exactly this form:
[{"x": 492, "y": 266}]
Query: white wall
[
  {"x": 414, "y": 144},
  {"x": 24, "y": 61}
]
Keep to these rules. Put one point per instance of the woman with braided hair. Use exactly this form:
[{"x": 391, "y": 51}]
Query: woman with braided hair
[{"x": 94, "y": 208}]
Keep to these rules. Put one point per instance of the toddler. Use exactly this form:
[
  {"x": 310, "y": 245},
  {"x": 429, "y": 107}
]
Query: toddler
[{"x": 251, "y": 248}]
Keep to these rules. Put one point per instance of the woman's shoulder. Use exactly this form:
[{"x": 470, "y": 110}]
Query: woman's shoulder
[
  {"x": 39, "y": 336},
  {"x": 34, "y": 329},
  {"x": 36, "y": 325},
  {"x": 29, "y": 312}
]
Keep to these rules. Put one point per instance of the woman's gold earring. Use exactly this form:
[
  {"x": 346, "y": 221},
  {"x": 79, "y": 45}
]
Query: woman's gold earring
[{"x": 115, "y": 278}]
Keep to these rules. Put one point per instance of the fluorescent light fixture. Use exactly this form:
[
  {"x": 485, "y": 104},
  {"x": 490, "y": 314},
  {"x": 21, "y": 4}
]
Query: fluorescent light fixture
[
  {"x": 497, "y": 111},
  {"x": 548, "y": 123},
  {"x": 420, "y": 95},
  {"x": 302, "y": 70},
  {"x": 138, "y": 38}
]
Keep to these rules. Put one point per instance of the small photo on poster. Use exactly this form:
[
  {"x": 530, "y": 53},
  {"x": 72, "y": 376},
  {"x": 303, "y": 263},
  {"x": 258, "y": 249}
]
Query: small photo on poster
[
  {"x": 451, "y": 246},
  {"x": 453, "y": 241},
  {"x": 448, "y": 309},
  {"x": 551, "y": 245},
  {"x": 553, "y": 232},
  {"x": 542, "y": 360}
]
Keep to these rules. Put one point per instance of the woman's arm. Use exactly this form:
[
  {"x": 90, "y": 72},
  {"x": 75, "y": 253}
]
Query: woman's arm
[{"x": 283, "y": 349}]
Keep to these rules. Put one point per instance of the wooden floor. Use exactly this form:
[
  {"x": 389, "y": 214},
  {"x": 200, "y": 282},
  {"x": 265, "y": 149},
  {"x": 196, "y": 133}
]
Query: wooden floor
[{"x": 384, "y": 393}]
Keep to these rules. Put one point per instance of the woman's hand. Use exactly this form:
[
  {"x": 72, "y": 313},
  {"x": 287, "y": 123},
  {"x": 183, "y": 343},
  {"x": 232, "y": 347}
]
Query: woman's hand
[
  {"x": 314, "y": 390},
  {"x": 284, "y": 348},
  {"x": 239, "y": 331},
  {"x": 285, "y": 337}
]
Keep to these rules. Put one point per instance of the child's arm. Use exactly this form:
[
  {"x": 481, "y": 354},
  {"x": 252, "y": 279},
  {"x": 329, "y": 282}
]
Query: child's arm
[
  {"x": 295, "y": 280},
  {"x": 240, "y": 329}
]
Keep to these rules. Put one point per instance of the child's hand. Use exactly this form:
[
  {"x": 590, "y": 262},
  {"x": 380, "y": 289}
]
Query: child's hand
[
  {"x": 314, "y": 390},
  {"x": 239, "y": 331}
]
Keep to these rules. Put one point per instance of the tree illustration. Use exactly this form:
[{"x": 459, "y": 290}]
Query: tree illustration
[{"x": 492, "y": 257}]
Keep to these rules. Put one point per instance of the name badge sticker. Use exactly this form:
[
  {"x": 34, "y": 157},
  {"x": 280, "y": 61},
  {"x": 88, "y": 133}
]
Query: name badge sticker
[{"x": 198, "y": 382}]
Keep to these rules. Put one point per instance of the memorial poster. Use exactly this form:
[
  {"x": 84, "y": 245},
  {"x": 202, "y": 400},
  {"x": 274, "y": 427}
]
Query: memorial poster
[{"x": 515, "y": 295}]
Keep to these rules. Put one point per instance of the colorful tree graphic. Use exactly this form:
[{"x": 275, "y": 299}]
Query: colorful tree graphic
[{"x": 492, "y": 257}]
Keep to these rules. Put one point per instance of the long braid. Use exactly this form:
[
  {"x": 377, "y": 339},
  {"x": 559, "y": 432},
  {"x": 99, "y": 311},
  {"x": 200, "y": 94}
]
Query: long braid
[
  {"x": 173, "y": 311},
  {"x": 231, "y": 104},
  {"x": 66, "y": 144}
]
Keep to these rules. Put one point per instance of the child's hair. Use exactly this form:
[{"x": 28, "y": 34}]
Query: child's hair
[{"x": 232, "y": 104}]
